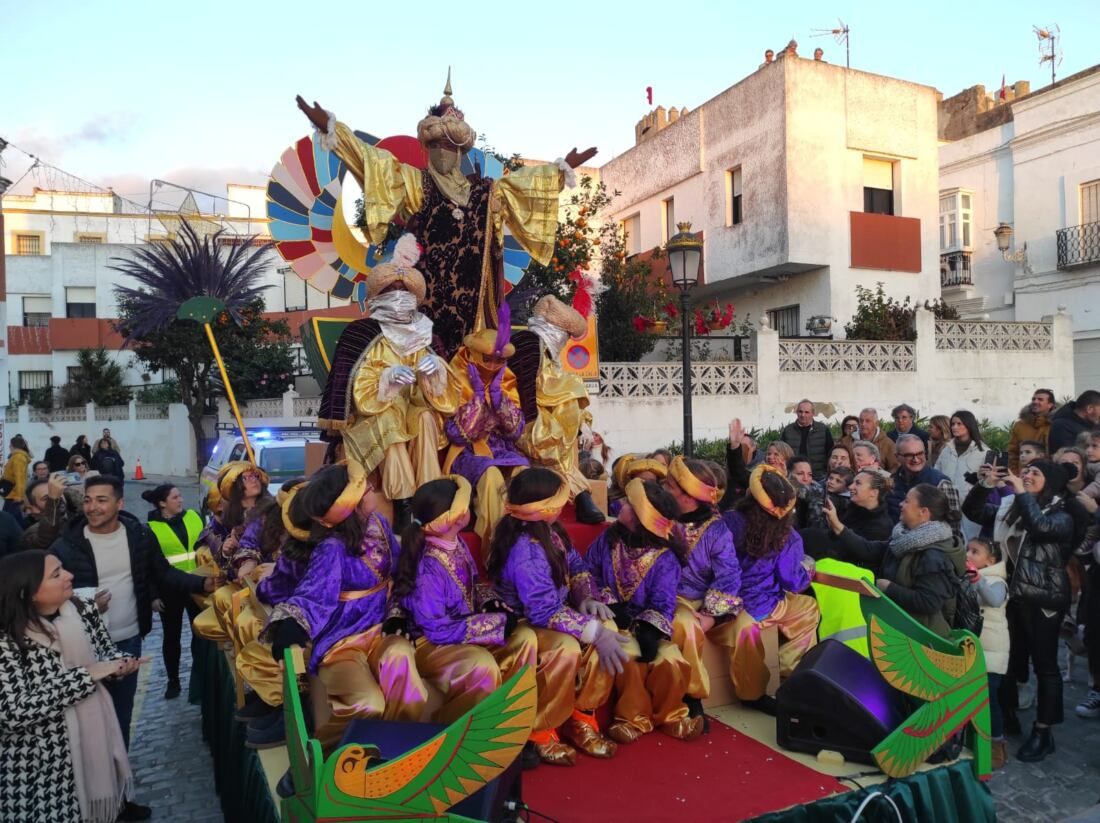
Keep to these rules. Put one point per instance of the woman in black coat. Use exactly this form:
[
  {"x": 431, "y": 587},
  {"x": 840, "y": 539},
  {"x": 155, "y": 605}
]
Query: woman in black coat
[
  {"x": 1036, "y": 532},
  {"x": 107, "y": 461},
  {"x": 866, "y": 515},
  {"x": 920, "y": 563},
  {"x": 81, "y": 448}
]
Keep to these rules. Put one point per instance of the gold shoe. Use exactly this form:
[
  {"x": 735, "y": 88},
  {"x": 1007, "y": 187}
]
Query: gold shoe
[
  {"x": 686, "y": 728},
  {"x": 556, "y": 753},
  {"x": 622, "y": 732},
  {"x": 586, "y": 737}
]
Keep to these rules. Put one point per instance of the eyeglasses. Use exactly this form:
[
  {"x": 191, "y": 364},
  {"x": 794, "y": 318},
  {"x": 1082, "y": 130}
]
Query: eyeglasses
[
  {"x": 79, "y": 465},
  {"x": 911, "y": 455}
]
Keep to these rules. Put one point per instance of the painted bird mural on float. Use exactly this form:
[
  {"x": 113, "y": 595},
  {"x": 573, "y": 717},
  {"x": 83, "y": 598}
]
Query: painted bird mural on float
[
  {"x": 424, "y": 782},
  {"x": 947, "y": 674}
]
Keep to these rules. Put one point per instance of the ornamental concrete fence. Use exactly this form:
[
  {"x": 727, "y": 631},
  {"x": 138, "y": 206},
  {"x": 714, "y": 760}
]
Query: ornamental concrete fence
[{"x": 990, "y": 368}]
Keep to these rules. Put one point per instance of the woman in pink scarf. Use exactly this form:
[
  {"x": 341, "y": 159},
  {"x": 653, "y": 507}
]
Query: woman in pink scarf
[{"x": 61, "y": 752}]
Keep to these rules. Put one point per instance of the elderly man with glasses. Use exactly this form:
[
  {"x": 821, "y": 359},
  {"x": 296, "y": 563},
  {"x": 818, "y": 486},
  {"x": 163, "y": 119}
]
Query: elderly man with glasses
[{"x": 913, "y": 470}]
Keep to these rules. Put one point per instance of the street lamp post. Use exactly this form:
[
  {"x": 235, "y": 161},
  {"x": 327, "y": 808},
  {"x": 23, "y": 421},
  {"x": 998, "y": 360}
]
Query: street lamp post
[
  {"x": 685, "y": 255},
  {"x": 1003, "y": 233}
]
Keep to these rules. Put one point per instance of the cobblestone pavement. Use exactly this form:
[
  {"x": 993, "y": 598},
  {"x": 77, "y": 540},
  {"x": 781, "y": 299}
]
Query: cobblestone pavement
[
  {"x": 172, "y": 767},
  {"x": 1065, "y": 784}
]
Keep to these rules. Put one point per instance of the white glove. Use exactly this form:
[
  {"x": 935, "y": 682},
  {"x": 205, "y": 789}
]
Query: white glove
[
  {"x": 609, "y": 645},
  {"x": 594, "y": 608},
  {"x": 402, "y": 375},
  {"x": 428, "y": 365}
]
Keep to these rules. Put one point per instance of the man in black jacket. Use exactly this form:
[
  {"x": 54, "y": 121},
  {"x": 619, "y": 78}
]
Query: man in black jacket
[
  {"x": 113, "y": 552},
  {"x": 1076, "y": 416},
  {"x": 809, "y": 438},
  {"x": 57, "y": 456}
]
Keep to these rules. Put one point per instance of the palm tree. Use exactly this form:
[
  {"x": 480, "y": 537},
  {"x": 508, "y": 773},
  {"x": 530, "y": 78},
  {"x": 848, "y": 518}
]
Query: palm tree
[{"x": 190, "y": 277}]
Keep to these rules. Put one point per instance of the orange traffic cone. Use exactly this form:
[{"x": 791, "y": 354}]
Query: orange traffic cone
[{"x": 138, "y": 473}]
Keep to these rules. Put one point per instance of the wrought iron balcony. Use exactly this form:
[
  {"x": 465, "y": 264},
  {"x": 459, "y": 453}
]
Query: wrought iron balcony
[
  {"x": 1079, "y": 246},
  {"x": 955, "y": 269}
]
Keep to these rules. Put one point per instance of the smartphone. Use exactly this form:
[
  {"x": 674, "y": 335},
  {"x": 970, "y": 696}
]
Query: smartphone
[{"x": 996, "y": 457}]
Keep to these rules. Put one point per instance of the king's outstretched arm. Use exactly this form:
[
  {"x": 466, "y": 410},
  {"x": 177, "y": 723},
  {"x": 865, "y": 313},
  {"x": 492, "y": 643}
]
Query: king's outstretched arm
[{"x": 390, "y": 187}]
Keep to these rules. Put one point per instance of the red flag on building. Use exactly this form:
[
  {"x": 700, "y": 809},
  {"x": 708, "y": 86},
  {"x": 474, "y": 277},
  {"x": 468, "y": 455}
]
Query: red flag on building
[
  {"x": 1002, "y": 94},
  {"x": 649, "y": 94}
]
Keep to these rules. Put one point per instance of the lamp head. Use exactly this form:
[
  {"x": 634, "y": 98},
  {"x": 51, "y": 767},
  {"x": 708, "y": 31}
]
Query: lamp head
[
  {"x": 685, "y": 254},
  {"x": 1003, "y": 233}
]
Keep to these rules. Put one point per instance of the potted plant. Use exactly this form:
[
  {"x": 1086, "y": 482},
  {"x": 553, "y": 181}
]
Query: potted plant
[
  {"x": 660, "y": 312},
  {"x": 717, "y": 317},
  {"x": 819, "y": 325}
]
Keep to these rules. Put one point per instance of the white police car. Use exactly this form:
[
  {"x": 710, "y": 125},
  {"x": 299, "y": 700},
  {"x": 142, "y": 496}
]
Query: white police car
[{"x": 280, "y": 451}]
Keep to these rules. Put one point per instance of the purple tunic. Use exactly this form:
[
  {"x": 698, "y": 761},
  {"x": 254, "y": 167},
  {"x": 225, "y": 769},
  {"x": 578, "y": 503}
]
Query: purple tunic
[
  {"x": 500, "y": 428},
  {"x": 249, "y": 548},
  {"x": 341, "y": 594},
  {"x": 712, "y": 573},
  {"x": 278, "y": 586},
  {"x": 444, "y": 604},
  {"x": 644, "y": 578},
  {"x": 526, "y": 584},
  {"x": 765, "y": 580},
  {"x": 212, "y": 538}
]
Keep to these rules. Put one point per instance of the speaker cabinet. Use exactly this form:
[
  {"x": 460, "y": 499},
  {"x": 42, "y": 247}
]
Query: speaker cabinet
[{"x": 836, "y": 700}]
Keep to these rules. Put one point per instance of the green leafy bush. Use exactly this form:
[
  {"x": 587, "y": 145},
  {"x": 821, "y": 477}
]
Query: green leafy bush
[{"x": 879, "y": 317}]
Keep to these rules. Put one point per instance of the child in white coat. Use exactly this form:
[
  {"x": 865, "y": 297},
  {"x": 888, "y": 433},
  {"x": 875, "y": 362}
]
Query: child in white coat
[{"x": 987, "y": 572}]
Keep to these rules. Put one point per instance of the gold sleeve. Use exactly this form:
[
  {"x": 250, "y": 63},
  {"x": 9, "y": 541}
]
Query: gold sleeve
[
  {"x": 528, "y": 200},
  {"x": 390, "y": 187},
  {"x": 449, "y": 398},
  {"x": 562, "y": 402},
  {"x": 364, "y": 390}
]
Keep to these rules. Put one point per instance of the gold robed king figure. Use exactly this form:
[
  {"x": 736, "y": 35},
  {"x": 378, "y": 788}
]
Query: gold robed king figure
[{"x": 458, "y": 220}]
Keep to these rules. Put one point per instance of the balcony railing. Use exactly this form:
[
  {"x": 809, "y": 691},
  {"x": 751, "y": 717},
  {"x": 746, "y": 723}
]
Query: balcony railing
[
  {"x": 955, "y": 269},
  {"x": 1079, "y": 246}
]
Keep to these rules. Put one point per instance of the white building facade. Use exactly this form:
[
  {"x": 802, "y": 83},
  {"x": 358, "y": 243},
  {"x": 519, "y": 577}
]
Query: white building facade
[
  {"x": 1038, "y": 173},
  {"x": 59, "y": 247},
  {"x": 805, "y": 180}
]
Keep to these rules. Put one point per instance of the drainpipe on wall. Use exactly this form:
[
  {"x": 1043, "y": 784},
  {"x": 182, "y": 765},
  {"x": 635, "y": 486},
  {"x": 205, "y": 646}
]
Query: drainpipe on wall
[{"x": 4, "y": 379}]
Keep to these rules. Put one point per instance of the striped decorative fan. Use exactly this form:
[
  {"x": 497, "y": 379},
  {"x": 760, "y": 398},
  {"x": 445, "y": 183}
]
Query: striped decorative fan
[
  {"x": 308, "y": 225},
  {"x": 307, "y": 218}
]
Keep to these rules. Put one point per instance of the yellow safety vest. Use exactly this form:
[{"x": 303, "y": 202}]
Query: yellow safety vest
[
  {"x": 841, "y": 615},
  {"x": 180, "y": 556}
]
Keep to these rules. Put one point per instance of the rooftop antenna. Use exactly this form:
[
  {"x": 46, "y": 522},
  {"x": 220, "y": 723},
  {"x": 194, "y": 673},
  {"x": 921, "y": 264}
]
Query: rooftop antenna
[
  {"x": 1048, "y": 47},
  {"x": 840, "y": 34}
]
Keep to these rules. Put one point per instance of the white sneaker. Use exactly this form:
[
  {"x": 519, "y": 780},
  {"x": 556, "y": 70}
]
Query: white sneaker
[
  {"x": 1025, "y": 696},
  {"x": 1090, "y": 706}
]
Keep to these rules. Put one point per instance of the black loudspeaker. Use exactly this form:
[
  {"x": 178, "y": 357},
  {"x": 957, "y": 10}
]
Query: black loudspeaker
[
  {"x": 836, "y": 699},
  {"x": 394, "y": 738}
]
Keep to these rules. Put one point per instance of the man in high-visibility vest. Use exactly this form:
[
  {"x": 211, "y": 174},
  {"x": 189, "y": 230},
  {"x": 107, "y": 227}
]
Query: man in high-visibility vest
[{"x": 176, "y": 529}]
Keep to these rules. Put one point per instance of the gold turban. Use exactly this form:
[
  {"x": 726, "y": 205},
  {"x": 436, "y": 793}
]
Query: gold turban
[
  {"x": 446, "y": 125},
  {"x": 566, "y": 318},
  {"x": 401, "y": 267}
]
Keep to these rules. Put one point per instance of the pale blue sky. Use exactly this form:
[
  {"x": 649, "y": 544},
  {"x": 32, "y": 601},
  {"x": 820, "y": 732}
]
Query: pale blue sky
[{"x": 202, "y": 93}]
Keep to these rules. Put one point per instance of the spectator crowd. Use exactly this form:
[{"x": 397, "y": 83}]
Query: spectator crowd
[{"x": 955, "y": 532}]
